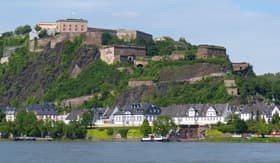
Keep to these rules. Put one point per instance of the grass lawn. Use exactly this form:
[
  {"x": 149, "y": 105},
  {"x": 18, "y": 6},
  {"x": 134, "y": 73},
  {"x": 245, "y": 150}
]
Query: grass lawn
[
  {"x": 98, "y": 133},
  {"x": 213, "y": 132},
  {"x": 242, "y": 140},
  {"x": 134, "y": 133}
]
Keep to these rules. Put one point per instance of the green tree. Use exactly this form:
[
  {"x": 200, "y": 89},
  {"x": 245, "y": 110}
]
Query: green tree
[
  {"x": 30, "y": 124},
  {"x": 42, "y": 128},
  {"x": 57, "y": 130},
  {"x": 19, "y": 123},
  {"x": 106, "y": 38},
  {"x": 163, "y": 124},
  {"x": 110, "y": 131},
  {"x": 21, "y": 30},
  {"x": 2, "y": 116},
  {"x": 123, "y": 132},
  {"x": 86, "y": 119},
  {"x": 275, "y": 118},
  {"x": 7, "y": 128},
  {"x": 43, "y": 34},
  {"x": 191, "y": 57},
  {"x": 145, "y": 127},
  {"x": 262, "y": 128},
  {"x": 37, "y": 28},
  {"x": 240, "y": 126}
]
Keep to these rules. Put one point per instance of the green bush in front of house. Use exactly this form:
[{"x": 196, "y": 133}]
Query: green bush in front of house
[{"x": 134, "y": 133}]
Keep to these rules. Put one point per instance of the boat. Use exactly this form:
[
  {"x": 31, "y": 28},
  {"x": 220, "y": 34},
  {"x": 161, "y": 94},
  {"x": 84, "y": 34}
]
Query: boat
[
  {"x": 154, "y": 138},
  {"x": 27, "y": 138},
  {"x": 24, "y": 138}
]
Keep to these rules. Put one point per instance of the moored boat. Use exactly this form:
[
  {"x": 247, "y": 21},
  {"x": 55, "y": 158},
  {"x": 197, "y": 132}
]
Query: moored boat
[
  {"x": 24, "y": 138},
  {"x": 154, "y": 138}
]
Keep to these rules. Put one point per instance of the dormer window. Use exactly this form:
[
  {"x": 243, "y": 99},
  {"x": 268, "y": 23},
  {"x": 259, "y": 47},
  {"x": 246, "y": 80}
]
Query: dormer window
[
  {"x": 191, "y": 112},
  {"x": 211, "y": 112}
]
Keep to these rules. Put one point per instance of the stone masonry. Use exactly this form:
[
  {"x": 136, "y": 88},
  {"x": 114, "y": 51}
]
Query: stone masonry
[{"x": 210, "y": 51}]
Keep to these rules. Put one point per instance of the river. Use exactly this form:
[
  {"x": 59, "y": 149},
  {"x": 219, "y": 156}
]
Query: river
[{"x": 136, "y": 152}]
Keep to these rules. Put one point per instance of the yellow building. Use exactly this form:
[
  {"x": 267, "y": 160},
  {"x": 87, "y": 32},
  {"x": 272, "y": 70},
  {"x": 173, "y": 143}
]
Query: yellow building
[{"x": 47, "y": 25}]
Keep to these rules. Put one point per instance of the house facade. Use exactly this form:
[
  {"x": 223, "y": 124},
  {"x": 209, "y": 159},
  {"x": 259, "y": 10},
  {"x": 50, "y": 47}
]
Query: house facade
[
  {"x": 128, "y": 35},
  {"x": 121, "y": 53},
  {"x": 43, "y": 111},
  {"x": 236, "y": 67},
  {"x": 210, "y": 51},
  {"x": 71, "y": 25},
  {"x": 198, "y": 114},
  {"x": 135, "y": 113},
  {"x": 257, "y": 111},
  {"x": 47, "y": 25},
  {"x": 10, "y": 113},
  {"x": 94, "y": 35}
]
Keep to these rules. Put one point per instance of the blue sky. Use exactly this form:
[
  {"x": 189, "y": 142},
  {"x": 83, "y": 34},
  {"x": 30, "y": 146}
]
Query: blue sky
[{"x": 247, "y": 28}]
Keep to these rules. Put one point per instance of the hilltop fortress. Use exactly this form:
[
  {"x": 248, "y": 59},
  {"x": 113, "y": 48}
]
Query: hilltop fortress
[{"x": 70, "y": 28}]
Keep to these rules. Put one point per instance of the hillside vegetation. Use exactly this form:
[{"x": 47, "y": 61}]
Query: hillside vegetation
[{"x": 45, "y": 76}]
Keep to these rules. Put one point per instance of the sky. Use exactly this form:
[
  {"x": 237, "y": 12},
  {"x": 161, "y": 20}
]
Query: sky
[{"x": 249, "y": 29}]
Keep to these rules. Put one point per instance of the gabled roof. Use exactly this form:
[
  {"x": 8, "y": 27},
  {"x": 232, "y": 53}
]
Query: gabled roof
[
  {"x": 201, "y": 109},
  {"x": 262, "y": 108},
  {"x": 139, "y": 109},
  {"x": 42, "y": 109},
  {"x": 74, "y": 115},
  {"x": 9, "y": 109}
]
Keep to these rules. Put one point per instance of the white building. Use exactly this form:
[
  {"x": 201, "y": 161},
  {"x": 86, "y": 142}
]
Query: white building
[
  {"x": 198, "y": 114},
  {"x": 10, "y": 113},
  {"x": 261, "y": 111},
  {"x": 134, "y": 114}
]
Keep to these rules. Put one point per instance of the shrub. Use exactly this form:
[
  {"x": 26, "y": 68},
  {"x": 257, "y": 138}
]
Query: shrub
[
  {"x": 110, "y": 131},
  {"x": 123, "y": 132}
]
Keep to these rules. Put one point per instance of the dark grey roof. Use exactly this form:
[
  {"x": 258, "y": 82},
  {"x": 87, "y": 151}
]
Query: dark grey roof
[
  {"x": 200, "y": 109},
  {"x": 9, "y": 109},
  {"x": 101, "y": 113},
  {"x": 72, "y": 20},
  {"x": 139, "y": 109},
  {"x": 262, "y": 108},
  {"x": 101, "y": 30},
  {"x": 42, "y": 109},
  {"x": 74, "y": 114}
]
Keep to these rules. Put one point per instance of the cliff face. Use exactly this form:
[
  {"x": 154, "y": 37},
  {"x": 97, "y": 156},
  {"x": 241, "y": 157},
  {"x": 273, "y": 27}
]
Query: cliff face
[{"x": 39, "y": 70}]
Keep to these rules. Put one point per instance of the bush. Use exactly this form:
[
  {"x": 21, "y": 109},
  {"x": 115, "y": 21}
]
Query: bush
[
  {"x": 134, "y": 133},
  {"x": 123, "y": 132},
  {"x": 110, "y": 131}
]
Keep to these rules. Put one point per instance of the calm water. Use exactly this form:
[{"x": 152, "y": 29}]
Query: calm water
[{"x": 134, "y": 152}]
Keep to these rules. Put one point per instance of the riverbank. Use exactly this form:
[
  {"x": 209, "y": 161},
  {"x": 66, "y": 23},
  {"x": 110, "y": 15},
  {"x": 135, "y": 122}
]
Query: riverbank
[
  {"x": 206, "y": 140},
  {"x": 241, "y": 140}
]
